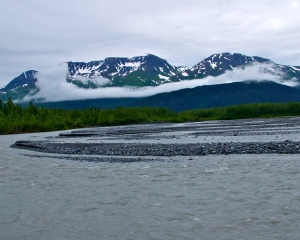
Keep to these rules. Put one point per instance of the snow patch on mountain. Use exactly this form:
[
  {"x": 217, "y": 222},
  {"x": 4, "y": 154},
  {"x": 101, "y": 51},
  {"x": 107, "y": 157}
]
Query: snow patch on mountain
[
  {"x": 163, "y": 77},
  {"x": 295, "y": 68}
]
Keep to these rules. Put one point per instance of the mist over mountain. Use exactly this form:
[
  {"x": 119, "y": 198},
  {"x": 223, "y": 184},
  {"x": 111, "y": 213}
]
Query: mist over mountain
[
  {"x": 208, "y": 96},
  {"x": 141, "y": 76}
]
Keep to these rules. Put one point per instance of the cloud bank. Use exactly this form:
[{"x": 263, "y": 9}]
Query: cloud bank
[
  {"x": 54, "y": 87},
  {"x": 38, "y": 33}
]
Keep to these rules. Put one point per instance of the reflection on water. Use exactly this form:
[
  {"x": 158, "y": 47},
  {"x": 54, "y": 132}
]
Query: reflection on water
[{"x": 209, "y": 197}]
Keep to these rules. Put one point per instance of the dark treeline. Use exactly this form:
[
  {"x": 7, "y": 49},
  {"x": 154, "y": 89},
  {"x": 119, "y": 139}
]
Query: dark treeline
[{"x": 17, "y": 119}]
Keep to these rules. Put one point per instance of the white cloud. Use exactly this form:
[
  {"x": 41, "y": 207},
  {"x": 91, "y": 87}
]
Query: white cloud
[
  {"x": 97, "y": 80},
  {"x": 53, "y": 86}
]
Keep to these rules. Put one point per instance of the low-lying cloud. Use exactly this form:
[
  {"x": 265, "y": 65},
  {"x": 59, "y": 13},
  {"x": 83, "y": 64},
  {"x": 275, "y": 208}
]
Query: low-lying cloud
[
  {"x": 54, "y": 87},
  {"x": 98, "y": 81}
]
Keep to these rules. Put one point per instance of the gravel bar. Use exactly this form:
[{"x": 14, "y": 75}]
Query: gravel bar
[
  {"x": 162, "y": 141},
  {"x": 100, "y": 159},
  {"x": 135, "y": 149}
]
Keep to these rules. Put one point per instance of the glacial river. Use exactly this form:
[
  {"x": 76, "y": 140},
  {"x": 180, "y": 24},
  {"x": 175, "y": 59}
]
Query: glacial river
[{"x": 204, "y": 197}]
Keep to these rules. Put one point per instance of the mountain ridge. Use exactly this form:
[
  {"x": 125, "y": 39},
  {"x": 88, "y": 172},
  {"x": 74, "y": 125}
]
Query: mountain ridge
[{"x": 146, "y": 70}]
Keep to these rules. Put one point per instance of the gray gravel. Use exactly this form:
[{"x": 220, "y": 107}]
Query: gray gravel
[
  {"x": 135, "y": 149},
  {"x": 100, "y": 159},
  {"x": 141, "y": 142}
]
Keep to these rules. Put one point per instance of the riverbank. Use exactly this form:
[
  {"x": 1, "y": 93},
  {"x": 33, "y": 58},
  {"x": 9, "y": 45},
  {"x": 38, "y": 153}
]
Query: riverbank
[{"x": 143, "y": 142}]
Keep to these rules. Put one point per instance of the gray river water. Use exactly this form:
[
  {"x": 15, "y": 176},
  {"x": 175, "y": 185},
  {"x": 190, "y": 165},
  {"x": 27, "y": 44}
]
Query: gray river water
[{"x": 209, "y": 197}]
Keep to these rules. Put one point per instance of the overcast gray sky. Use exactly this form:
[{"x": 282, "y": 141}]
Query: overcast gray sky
[{"x": 36, "y": 34}]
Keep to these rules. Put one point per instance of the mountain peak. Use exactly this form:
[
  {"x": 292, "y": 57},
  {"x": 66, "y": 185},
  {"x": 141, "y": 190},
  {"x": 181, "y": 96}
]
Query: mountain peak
[
  {"x": 151, "y": 70},
  {"x": 26, "y": 78},
  {"x": 217, "y": 64}
]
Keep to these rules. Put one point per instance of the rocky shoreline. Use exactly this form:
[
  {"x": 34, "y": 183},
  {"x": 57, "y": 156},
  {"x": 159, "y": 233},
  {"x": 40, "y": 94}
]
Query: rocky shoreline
[
  {"x": 135, "y": 149},
  {"x": 142, "y": 142}
]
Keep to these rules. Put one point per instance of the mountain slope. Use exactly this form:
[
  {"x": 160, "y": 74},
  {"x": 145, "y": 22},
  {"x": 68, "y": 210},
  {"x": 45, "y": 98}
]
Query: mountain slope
[
  {"x": 20, "y": 86},
  {"x": 217, "y": 64},
  {"x": 222, "y": 95},
  {"x": 148, "y": 70},
  {"x": 202, "y": 97}
]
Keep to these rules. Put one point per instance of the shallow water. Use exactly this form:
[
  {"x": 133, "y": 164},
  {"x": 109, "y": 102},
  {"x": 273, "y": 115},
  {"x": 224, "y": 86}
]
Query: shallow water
[{"x": 209, "y": 197}]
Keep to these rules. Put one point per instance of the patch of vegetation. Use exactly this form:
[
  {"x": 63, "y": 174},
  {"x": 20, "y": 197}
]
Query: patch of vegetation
[{"x": 17, "y": 119}]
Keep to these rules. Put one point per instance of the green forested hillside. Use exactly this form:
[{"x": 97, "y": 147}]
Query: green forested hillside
[{"x": 222, "y": 95}]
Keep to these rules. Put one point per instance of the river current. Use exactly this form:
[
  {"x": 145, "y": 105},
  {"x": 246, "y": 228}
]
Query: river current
[{"x": 209, "y": 197}]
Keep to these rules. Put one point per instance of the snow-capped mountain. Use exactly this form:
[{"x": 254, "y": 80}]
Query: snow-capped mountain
[
  {"x": 217, "y": 64},
  {"x": 20, "y": 86},
  {"x": 150, "y": 70},
  {"x": 147, "y": 70},
  {"x": 26, "y": 78}
]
